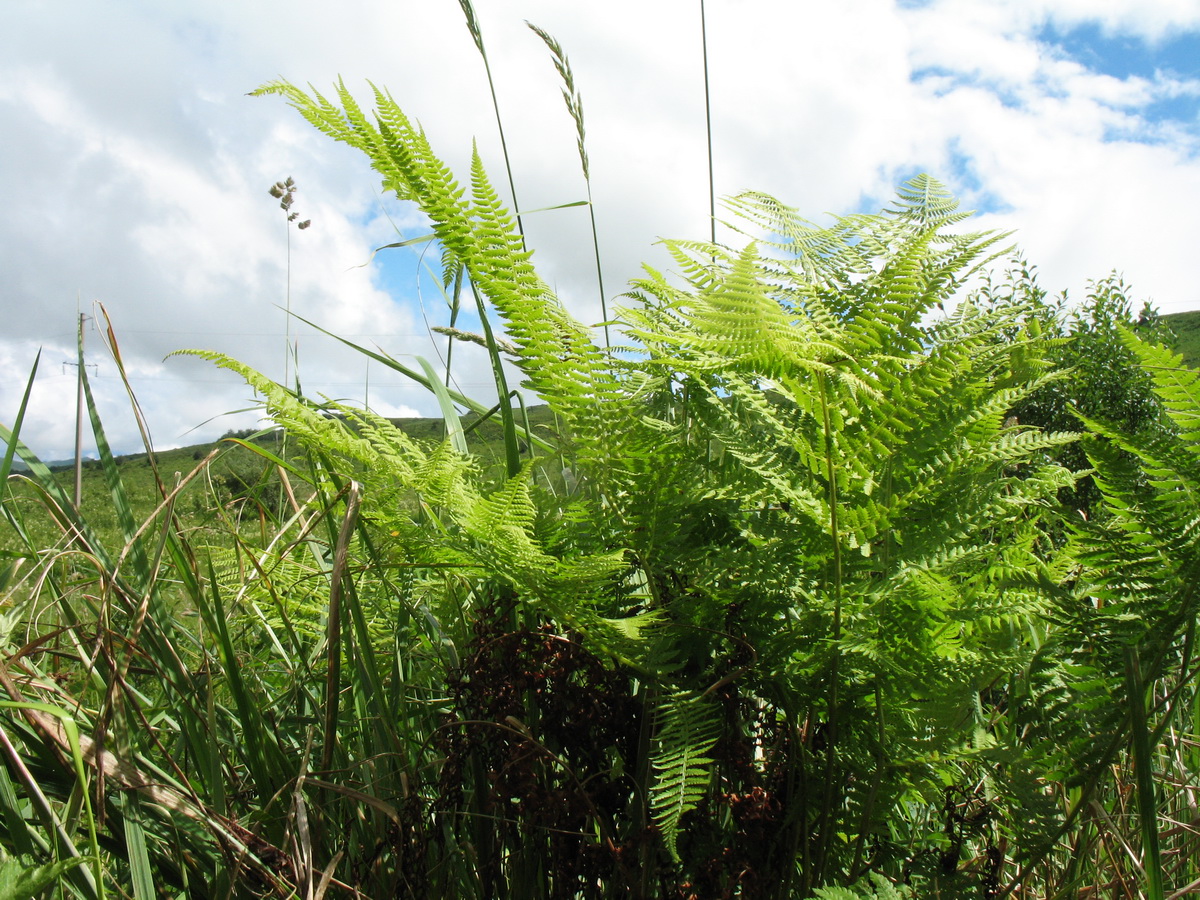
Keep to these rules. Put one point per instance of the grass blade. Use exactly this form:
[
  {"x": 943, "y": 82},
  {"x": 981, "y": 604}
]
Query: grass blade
[
  {"x": 112, "y": 477},
  {"x": 397, "y": 366},
  {"x": 512, "y": 447},
  {"x": 454, "y": 429},
  {"x": 93, "y": 880},
  {"x": 137, "y": 855},
  {"x": 254, "y": 734},
  {"x": 333, "y": 643},
  {"x": 10, "y": 446}
]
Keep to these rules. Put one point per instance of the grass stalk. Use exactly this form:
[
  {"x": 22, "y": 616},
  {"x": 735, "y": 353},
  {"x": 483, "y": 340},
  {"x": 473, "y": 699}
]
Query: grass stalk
[
  {"x": 477, "y": 36},
  {"x": 712, "y": 185},
  {"x": 575, "y": 108},
  {"x": 333, "y": 641},
  {"x": 512, "y": 450}
]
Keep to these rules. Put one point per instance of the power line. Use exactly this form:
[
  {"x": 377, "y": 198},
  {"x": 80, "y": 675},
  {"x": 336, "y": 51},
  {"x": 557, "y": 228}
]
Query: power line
[
  {"x": 189, "y": 331},
  {"x": 234, "y": 381}
]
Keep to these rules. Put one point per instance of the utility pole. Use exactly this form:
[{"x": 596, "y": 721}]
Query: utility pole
[
  {"x": 79, "y": 417},
  {"x": 79, "y": 421}
]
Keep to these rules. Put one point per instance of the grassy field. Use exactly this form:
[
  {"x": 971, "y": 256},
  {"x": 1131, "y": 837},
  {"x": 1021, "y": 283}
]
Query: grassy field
[
  {"x": 237, "y": 473},
  {"x": 1186, "y": 326}
]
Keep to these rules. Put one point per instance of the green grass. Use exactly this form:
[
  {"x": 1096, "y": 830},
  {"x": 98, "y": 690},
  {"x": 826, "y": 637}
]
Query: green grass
[
  {"x": 234, "y": 475},
  {"x": 1186, "y": 326}
]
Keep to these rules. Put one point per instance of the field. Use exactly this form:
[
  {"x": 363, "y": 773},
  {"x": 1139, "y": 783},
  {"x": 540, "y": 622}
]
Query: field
[
  {"x": 235, "y": 479},
  {"x": 1186, "y": 327}
]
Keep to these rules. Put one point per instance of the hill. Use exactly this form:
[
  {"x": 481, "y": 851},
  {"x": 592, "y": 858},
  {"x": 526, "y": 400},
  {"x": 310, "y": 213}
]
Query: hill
[
  {"x": 486, "y": 433},
  {"x": 1186, "y": 326},
  {"x": 238, "y": 472}
]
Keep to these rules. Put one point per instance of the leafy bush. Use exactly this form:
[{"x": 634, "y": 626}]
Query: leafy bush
[
  {"x": 1105, "y": 376},
  {"x": 803, "y": 593}
]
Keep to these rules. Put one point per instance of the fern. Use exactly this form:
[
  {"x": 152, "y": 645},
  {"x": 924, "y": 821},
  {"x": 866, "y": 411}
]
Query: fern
[
  {"x": 23, "y": 880},
  {"x": 798, "y": 490},
  {"x": 688, "y": 729},
  {"x": 874, "y": 888}
]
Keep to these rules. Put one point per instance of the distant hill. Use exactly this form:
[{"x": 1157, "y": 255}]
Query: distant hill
[
  {"x": 19, "y": 466},
  {"x": 1186, "y": 326},
  {"x": 237, "y": 472},
  {"x": 486, "y": 436}
]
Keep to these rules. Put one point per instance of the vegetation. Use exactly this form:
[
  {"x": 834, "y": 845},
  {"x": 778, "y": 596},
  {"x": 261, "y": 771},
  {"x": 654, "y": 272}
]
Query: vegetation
[
  {"x": 237, "y": 479},
  {"x": 1185, "y": 327},
  {"x": 796, "y": 593}
]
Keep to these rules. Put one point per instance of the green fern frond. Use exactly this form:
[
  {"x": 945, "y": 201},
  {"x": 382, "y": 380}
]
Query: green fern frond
[
  {"x": 1177, "y": 385},
  {"x": 793, "y": 485},
  {"x": 874, "y": 888},
  {"x": 688, "y": 727},
  {"x": 927, "y": 202}
]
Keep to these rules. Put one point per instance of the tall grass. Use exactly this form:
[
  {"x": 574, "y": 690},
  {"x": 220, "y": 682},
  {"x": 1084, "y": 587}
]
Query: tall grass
[
  {"x": 265, "y": 713},
  {"x": 257, "y": 713}
]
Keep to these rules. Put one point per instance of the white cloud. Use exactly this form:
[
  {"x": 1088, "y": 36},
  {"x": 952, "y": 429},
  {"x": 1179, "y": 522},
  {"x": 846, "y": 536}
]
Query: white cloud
[
  {"x": 1067, "y": 153},
  {"x": 1151, "y": 21}
]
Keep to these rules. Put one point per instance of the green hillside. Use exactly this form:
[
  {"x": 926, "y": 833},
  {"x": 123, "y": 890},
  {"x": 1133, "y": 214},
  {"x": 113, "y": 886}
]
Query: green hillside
[
  {"x": 1186, "y": 326},
  {"x": 237, "y": 473}
]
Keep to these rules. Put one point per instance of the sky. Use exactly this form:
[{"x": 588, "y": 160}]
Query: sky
[{"x": 135, "y": 168}]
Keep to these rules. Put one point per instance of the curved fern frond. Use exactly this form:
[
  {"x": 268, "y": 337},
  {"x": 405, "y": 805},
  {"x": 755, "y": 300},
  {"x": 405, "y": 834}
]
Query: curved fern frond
[{"x": 688, "y": 727}]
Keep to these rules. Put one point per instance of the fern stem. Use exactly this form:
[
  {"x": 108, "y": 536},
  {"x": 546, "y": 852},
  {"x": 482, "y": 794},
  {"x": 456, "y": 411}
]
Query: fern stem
[
  {"x": 796, "y": 838},
  {"x": 827, "y": 816},
  {"x": 647, "y": 698},
  {"x": 876, "y": 780}
]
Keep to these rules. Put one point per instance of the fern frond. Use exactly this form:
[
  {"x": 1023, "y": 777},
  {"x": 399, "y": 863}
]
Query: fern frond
[
  {"x": 876, "y": 887},
  {"x": 927, "y": 202},
  {"x": 688, "y": 729},
  {"x": 1177, "y": 385}
]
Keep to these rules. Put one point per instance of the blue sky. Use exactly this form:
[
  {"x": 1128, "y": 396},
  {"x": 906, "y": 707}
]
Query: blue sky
[
  {"x": 1122, "y": 54},
  {"x": 1125, "y": 56},
  {"x": 135, "y": 169}
]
